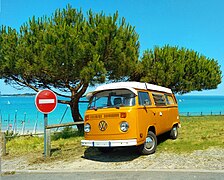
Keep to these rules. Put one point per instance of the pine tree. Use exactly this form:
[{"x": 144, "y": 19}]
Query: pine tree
[
  {"x": 180, "y": 69},
  {"x": 68, "y": 52}
]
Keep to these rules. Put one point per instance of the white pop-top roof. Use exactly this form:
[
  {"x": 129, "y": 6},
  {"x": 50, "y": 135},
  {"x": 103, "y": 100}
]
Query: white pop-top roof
[{"x": 132, "y": 86}]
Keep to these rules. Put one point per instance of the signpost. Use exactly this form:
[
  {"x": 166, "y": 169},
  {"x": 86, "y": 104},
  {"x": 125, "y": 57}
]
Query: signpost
[{"x": 46, "y": 102}]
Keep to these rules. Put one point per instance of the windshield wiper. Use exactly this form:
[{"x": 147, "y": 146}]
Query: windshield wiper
[{"x": 117, "y": 106}]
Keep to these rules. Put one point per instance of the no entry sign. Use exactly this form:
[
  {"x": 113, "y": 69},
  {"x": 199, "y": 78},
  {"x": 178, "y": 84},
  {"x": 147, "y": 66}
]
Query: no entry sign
[{"x": 46, "y": 101}]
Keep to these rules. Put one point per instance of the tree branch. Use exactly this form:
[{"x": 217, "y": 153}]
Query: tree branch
[
  {"x": 62, "y": 95},
  {"x": 63, "y": 102},
  {"x": 78, "y": 86},
  {"x": 17, "y": 80},
  {"x": 83, "y": 90}
]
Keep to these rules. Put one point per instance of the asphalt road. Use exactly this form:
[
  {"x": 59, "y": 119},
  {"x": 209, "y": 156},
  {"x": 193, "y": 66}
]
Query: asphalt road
[{"x": 109, "y": 175}]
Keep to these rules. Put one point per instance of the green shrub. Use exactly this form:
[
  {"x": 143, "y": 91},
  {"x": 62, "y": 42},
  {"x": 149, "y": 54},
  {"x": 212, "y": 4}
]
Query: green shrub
[
  {"x": 66, "y": 133},
  {"x": 10, "y": 135}
]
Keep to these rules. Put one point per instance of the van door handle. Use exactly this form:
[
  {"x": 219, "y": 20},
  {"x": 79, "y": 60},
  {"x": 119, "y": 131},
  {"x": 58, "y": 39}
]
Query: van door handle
[
  {"x": 160, "y": 113},
  {"x": 154, "y": 113}
]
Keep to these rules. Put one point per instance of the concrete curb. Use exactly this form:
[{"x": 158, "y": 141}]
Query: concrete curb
[{"x": 111, "y": 170}]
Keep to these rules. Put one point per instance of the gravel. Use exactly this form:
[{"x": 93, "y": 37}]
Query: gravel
[{"x": 125, "y": 159}]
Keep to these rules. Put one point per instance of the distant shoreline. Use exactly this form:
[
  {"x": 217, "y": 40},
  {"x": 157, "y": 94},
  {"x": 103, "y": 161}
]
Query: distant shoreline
[{"x": 15, "y": 95}]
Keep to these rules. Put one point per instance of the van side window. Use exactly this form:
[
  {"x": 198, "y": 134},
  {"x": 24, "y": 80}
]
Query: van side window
[
  {"x": 169, "y": 99},
  {"x": 143, "y": 99},
  {"x": 159, "y": 99}
]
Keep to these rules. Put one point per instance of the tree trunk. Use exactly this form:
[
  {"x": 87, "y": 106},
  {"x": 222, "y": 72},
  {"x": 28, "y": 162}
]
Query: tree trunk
[{"x": 74, "y": 105}]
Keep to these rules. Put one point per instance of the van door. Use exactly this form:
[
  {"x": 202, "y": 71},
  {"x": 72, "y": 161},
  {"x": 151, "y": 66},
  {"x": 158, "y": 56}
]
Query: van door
[
  {"x": 172, "y": 110},
  {"x": 161, "y": 113},
  {"x": 145, "y": 114}
]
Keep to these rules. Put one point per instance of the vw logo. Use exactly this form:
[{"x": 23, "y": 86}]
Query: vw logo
[{"x": 103, "y": 125}]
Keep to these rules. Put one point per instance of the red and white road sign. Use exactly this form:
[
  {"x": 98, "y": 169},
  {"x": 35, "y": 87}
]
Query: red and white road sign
[{"x": 46, "y": 101}]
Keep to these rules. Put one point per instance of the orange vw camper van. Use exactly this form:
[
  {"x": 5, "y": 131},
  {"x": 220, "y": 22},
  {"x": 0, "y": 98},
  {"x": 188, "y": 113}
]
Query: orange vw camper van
[{"x": 130, "y": 114}]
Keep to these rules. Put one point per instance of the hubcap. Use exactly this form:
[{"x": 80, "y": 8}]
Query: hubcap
[
  {"x": 149, "y": 143},
  {"x": 175, "y": 131}
]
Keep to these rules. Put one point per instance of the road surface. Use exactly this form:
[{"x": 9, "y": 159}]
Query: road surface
[{"x": 109, "y": 175}]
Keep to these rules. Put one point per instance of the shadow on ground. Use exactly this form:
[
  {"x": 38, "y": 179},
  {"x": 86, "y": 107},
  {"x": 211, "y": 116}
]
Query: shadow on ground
[
  {"x": 118, "y": 154},
  {"x": 162, "y": 138}
]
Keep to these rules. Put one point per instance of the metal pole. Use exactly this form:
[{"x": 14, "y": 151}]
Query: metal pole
[
  {"x": 23, "y": 127},
  {"x": 15, "y": 123},
  {"x": 35, "y": 125},
  {"x": 3, "y": 144},
  {"x": 45, "y": 134},
  {"x": 63, "y": 116},
  {"x": 8, "y": 121}
]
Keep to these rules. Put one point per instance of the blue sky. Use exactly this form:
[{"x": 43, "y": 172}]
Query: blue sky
[{"x": 194, "y": 24}]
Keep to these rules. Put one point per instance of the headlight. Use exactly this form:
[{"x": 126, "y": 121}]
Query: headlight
[
  {"x": 87, "y": 127},
  {"x": 124, "y": 126}
]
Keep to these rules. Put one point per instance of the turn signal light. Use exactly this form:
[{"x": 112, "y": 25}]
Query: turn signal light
[
  {"x": 86, "y": 117},
  {"x": 123, "y": 115}
]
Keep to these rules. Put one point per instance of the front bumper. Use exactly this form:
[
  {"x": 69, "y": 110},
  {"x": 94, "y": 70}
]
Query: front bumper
[{"x": 109, "y": 143}]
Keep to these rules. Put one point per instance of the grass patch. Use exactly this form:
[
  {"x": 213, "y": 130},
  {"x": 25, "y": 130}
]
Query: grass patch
[
  {"x": 196, "y": 133},
  {"x": 24, "y": 145},
  {"x": 64, "y": 145}
]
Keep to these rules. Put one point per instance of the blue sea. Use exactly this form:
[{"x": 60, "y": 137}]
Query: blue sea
[{"x": 20, "y": 114}]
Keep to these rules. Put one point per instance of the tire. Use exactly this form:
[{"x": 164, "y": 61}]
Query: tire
[
  {"x": 149, "y": 147},
  {"x": 174, "y": 132},
  {"x": 105, "y": 149}
]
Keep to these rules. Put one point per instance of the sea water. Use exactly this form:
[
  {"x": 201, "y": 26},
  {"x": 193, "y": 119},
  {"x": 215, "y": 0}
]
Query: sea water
[
  {"x": 200, "y": 105},
  {"x": 19, "y": 113}
]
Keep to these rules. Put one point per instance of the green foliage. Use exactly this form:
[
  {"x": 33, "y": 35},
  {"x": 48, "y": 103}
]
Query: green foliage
[
  {"x": 67, "y": 48},
  {"x": 180, "y": 69},
  {"x": 66, "y": 133},
  {"x": 68, "y": 51},
  {"x": 10, "y": 135}
]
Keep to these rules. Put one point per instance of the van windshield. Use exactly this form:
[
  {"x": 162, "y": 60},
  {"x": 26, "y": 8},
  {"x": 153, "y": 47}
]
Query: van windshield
[{"x": 112, "y": 98}]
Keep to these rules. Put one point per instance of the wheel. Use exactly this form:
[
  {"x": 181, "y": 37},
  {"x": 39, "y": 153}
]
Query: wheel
[
  {"x": 149, "y": 147},
  {"x": 174, "y": 132},
  {"x": 105, "y": 149}
]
